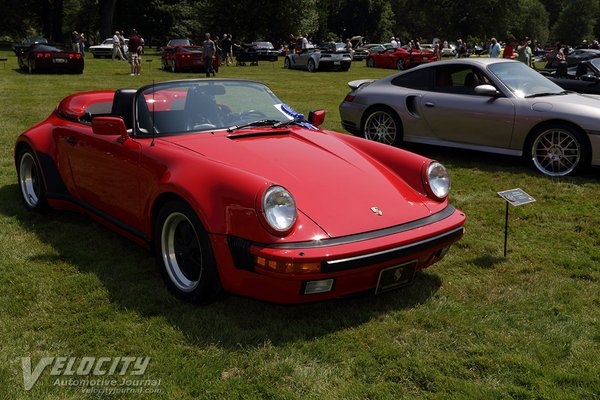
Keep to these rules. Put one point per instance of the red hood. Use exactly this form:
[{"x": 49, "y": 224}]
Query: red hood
[{"x": 333, "y": 184}]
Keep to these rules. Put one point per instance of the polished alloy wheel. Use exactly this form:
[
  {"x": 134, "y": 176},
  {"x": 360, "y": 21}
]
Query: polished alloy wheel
[
  {"x": 556, "y": 152},
  {"x": 29, "y": 180},
  {"x": 381, "y": 127},
  {"x": 181, "y": 252}
]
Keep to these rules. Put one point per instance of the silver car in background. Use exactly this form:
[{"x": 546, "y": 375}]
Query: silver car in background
[{"x": 493, "y": 105}]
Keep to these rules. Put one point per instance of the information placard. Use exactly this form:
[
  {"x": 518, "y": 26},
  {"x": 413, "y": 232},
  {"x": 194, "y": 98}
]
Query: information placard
[{"x": 516, "y": 197}]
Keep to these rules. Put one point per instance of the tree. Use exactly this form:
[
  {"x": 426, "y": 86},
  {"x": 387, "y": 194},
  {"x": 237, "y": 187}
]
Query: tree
[{"x": 574, "y": 25}]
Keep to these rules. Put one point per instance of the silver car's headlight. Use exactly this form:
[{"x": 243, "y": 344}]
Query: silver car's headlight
[
  {"x": 437, "y": 181},
  {"x": 279, "y": 209}
]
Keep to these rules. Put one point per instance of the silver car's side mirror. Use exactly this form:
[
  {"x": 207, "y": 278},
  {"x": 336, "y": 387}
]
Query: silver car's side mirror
[{"x": 487, "y": 90}]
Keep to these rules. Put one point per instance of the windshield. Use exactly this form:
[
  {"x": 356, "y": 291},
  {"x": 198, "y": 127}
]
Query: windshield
[
  {"x": 595, "y": 62},
  {"x": 205, "y": 105},
  {"x": 524, "y": 81}
]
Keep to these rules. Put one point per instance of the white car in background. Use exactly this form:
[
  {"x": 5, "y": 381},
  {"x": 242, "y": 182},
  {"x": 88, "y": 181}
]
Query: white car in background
[{"x": 105, "y": 48}]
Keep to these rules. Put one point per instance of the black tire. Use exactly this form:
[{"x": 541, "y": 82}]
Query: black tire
[
  {"x": 185, "y": 255},
  {"x": 31, "y": 183},
  {"x": 370, "y": 63},
  {"x": 311, "y": 66},
  {"x": 287, "y": 64},
  {"x": 382, "y": 124},
  {"x": 400, "y": 66},
  {"x": 173, "y": 67},
  {"x": 558, "y": 150},
  {"x": 31, "y": 66},
  {"x": 163, "y": 65}
]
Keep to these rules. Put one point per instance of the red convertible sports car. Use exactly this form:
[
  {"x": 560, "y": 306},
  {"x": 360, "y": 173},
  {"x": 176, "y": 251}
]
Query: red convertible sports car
[
  {"x": 185, "y": 58},
  {"x": 399, "y": 58},
  {"x": 237, "y": 192}
]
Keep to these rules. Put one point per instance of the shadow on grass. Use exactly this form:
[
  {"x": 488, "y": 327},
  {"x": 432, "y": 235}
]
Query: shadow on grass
[
  {"x": 130, "y": 276},
  {"x": 488, "y": 261}
]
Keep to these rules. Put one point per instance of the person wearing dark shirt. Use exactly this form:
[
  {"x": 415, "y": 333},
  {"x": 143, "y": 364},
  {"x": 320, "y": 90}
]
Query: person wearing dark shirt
[{"x": 135, "y": 52}]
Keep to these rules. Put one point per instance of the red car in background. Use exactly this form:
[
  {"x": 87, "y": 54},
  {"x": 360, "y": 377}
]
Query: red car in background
[
  {"x": 185, "y": 58},
  {"x": 400, "y": 58}
]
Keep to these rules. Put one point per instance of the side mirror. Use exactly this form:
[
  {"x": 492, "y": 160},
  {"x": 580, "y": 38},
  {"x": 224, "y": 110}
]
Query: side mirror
[
  {"x": 109, "y": 126},
  {"x": 316, "y": 117},
  {"x": 487, "y": 90},
  {"x": 589, "y": 78}
]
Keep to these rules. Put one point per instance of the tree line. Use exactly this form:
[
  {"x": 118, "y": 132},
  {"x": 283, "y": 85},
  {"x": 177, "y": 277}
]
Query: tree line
[{"x": 321, "y": 20}]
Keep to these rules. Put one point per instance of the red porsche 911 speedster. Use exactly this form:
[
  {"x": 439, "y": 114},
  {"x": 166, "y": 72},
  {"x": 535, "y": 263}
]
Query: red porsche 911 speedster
[{"x": 237, "y": 192}]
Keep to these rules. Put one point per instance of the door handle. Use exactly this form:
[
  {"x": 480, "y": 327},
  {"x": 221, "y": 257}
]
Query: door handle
[
  {"x": 429, "y": 104},
  {"x": 70, "y": 140}
]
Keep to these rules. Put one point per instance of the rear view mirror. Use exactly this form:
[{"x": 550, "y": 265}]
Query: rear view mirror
[{"x": 316, "y": 117}]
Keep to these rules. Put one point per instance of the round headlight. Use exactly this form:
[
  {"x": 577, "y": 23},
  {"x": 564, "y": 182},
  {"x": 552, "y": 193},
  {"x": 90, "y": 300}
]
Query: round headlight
[
  {"x": 439, "y": 180},
  {"x": 279, "y": 208}
]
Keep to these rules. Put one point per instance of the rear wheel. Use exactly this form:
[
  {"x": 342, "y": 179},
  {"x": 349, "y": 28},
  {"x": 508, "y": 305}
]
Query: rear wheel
[
  {"x": 287, "y": 64},
  {"x": 311, "y": 66},
  {"x": 173, "y": 67},
  {"x": 185, "y": 254},
  {"x": 558, "y": 150},
  {"x": 382, "y": 125},
  {"x": 33, "y": 192},
  {"x": 31, "y": 66}
]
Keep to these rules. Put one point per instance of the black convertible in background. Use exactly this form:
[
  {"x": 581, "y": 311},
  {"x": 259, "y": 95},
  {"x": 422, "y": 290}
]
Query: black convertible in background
[
  {"x": 583, "y": 78},
  {"x": 48, "y": 58}
]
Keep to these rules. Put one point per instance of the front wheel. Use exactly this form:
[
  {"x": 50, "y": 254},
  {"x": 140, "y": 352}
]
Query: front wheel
[
  {"x": 382, "y": 125},
  {"x": 33, "y": 192},
  {"x": 287, "y": 64},
  {"x": 370, "y": 63},
  {"x": 311, "y": 66},
  {"x": 185, "y": 255},
  {"x": 400, "y": 66},
  {"x": 558, "y": 150}
]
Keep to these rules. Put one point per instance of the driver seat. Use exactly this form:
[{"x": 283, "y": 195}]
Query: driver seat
[{"x": 201, "y": 109}]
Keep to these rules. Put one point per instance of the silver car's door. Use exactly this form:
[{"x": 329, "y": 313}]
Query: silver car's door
[{"x": 456, "y": 114}]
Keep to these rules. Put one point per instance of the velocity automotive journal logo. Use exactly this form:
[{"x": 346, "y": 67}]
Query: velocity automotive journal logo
[{"x": 92, "y": 374}]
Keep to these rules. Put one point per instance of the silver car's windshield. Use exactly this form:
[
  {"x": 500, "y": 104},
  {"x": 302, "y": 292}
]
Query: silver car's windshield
[
  {"x": 523, "y": 81},
  {"x": 205, "y": 105}
]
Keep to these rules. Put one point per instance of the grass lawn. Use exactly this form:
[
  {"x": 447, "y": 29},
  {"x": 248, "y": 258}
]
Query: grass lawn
[{"x": 476, "y": 325}]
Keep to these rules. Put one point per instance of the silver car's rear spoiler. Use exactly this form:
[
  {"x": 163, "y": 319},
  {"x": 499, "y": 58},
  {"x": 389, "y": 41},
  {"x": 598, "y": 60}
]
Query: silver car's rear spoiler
[{"x": 358, "y": 83}]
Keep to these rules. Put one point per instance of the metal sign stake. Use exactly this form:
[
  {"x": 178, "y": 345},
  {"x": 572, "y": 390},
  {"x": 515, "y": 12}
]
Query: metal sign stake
[{"x": 515, "y": 197}]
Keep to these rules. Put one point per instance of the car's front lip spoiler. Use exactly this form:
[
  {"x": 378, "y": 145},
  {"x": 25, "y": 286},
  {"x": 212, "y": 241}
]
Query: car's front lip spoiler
[{"x": 431, "y": 219}]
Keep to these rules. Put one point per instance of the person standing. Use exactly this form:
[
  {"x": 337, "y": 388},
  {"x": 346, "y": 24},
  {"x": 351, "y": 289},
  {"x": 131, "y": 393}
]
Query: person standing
[
  {"x": 524, "y": 52},
  {"x": 116, "y": 47},
  {"x": 75, "y": 41},
  {"x": 394, "y": 42},
  {"x": 227, "y": 47},
  {"x": 209, "y": 52},
  {"x": 135, "y": 52},
  {"x": 494, "y": 48},
  {"x": 82, "y": 41}
]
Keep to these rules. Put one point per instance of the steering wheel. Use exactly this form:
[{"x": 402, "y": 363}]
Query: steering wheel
[{"x": 200, "y": 123}]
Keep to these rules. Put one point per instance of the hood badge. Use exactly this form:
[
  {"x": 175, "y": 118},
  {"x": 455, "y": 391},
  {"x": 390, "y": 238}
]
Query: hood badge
[{"x": 377, "y": 211}]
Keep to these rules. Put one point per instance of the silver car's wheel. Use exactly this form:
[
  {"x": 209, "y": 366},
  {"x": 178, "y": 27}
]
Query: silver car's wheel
[
  {"x": 558, "y": 150},
  {"x": 383, "y": 125},
  {"x": 311, "y": 66},
  {"x": 287, "y": 64},
  {"x": 30, "y": 181},
  {"x": 400, "y": 66},
  {"x": 185, "y": 254},
  {"x": 370, "y": 63}
]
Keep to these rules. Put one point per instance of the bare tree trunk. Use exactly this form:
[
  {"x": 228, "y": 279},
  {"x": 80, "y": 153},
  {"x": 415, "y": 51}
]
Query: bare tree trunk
[
  {"x": 57, "y": 24},
  {"x": 107, "y": 11}
]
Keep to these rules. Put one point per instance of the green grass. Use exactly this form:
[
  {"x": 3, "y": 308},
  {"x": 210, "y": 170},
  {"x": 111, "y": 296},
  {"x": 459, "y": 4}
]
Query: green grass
[{"x": 476, "y": 325}]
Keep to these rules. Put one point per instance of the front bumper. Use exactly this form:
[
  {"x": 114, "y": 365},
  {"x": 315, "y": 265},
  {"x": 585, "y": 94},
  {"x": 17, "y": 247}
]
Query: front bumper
[{"x": 354, "y": 263}]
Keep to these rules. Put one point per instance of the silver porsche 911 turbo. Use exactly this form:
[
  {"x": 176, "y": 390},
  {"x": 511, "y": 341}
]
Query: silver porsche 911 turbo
[{"x": 494, "y": 105}]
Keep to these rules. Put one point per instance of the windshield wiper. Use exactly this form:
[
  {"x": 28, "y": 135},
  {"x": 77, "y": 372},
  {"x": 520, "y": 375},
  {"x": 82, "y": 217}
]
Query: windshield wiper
[
  {"x": 279, "y": 124},
  {"x": 260, "y": 122},
  {"x": 546, "y": 94}
]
